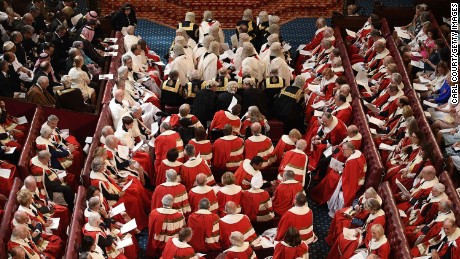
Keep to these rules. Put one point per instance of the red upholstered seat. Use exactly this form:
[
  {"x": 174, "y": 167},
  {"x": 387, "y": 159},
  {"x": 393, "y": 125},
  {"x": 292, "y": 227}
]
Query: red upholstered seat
[
  {"x": 10, "y": 208},
  {"x": 394, "y": 228},
  {"x": 276, "y": 130},
  {"x": 76, "y": 225}
]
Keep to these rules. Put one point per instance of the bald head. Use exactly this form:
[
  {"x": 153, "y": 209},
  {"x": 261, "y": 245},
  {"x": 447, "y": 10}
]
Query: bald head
[
  {"x": 301, "y": 144},
  {"x": 119, "y": 95},
  {"x": 256, "y": 128},
  {"x": 30, "y": 183},
  {"x": 19, "y": 232},
  {"x": 21, "y": 217},
  {"x": 352, "y": 130},
  {"x": 201, "y": 179},
  {"x": 230, "y": 207},
  {"x": 428, "y": 173}
]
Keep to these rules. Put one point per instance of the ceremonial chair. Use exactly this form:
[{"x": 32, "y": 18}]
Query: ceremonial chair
[{"x": 10, "y": 208}]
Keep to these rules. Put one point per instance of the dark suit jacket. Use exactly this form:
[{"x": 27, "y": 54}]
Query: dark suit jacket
[
  {"x": 71, "y": 99},
  {"x": 6, "y": 86}
]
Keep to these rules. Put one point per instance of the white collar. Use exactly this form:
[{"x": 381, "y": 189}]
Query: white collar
[
  {"x": 166, "y": 210},
  {"x": 180, "y": 244},
  {"x": 289, "y": 182},
  {"x": 286, "y": 139},
  {"x": 248, "y": 168},
  {"x": 232, "y": 218},
  {"x": 230, "y": 189},
  {"x": 355, "y": 155},
  {"x": 193, "y": 162},
  {"x": 171, "y": 164},
  {"x": 300, "y": 210},
  {"x": 231, "y": 116},
  {"x": 169, "y": 184},
  {"x": 203, "y": 212},
  {"x": 373, "y": 245},
  {"x": 201, "y": 189},
  {"x": 257, "y": 138},
  {"x": 374, "y": 216},
  {"x": 229, "y": 137},
  {"x": 238, "y": 249}
]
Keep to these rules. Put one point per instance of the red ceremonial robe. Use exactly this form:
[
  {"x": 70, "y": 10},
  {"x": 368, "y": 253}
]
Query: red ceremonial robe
[
  {"x": 259, "y": 145},
  {"x": 164, "y": 223},
  {"x": 96, "y": 232},
  {"x": 284, "y": 196},
  {"x": 174, "y": 120},
  {"x": 203, "y": 148},
  {"x": 228, "y": 153},
  {"x": 30, "y": 249},
  {"x": 165, "y": 165},
  {"x": 300, "y": 218},
  {"x": 193, "y": 167},
  {"x": 343, "y": 112},
  {"x": 164, "y": 142},
  {"x": 229, "y": 193},
  {"x": 241, "y": 252},
  {"x": 284, "y": 145},
  {"x": 446, "y": 246},
  {"x": 424, "y": 211},
  {"x": 244, "y": 174},
  {"x": 353, "y": 177},
  {"x": 205, "y": 226},
  {"x": 235, "y": 222},
  {"x": 297, "y": 161},
  {"x": 434, "y": 228},
  {"x": 200, "y": 192},
  {"x": 177, "y": 249},
  {"x": 179, "y": 193},
  {"x": 221, "y": 118},
  {"x": 257, "y": 205},
  {"x": 285, "y": 251},
  {"x": 380, "y": 248}
]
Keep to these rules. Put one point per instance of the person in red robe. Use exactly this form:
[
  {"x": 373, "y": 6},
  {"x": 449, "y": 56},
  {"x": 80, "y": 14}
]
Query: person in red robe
[
  {"x": 184, "y": 112},
  {"x": 256, "y": 203},
  {"x": 345, "y": 183},
  {"x": 205, "y": 226},
  {"x": 240, "y": 248},
  {"x": 51, "y": 245},
  {"x": 342, "y": 109},
  {"x": 222, "y": 118},
  {"x": 68, "y": 141},
  {"x": 193, "y": 167},
  {"x": 47, "y": 207},
  {"x": 373, "y": 64},
  {"x": 165, "y": 141},
  {"x": 203, "y": 146},
  {"x": 235, "y": 222},
  {"x": 297, "y": 161},
  {"x": 164, "y": 224},
  {"x": 202, "y": 191},
  {"x": 331, "y": 131},
  {"x": 286, "y": 143},
  {"x": 285, "y": 193},
  {"x": 429, "y": 228},
  {"x": 247, "y": 170},
  {"x": 11, "y": 124},
  {"x": 179, "y": 247},
  {"x": 170, "y": 162},
  {"x": 300, "y": 217},
  {"x": 343, "y": 217},
  {"x": 345, "y": 246},
  {"x": 229, "y": 192},
  {"x": 259, "y": 145},
  {"x": 444, "y": 245},
  {"x": 177, "y": 190},
  {"x": 421, "y": 190},
  {"x": 106, "y": 240},
  {"x": 228, "y": 151},
  {"x": 48, "y": 179},
  {"x": 379, "y": 245},
  {"x": 291, "y": 247},
  {"x": 20, "y": 239},
  {"x": 112, "y": 191},
  {"x": 319, "y": 34},
  {"x": 388, "y": 103}
]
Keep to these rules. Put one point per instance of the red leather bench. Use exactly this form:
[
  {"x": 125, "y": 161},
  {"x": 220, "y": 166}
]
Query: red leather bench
[
  {"x": 394, "y": 228},
  {"x": 78, "y": 219},
  {"x": 10, "y": 208}
]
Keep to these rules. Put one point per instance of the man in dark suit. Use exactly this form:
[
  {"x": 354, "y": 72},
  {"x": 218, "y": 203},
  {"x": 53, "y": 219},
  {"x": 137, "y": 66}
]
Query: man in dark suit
[
  {"x": 6, "y": 86},
  {"x": 61, "y": 45}
]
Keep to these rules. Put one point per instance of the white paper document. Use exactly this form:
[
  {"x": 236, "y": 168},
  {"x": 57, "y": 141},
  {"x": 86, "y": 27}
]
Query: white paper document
[
  {"x": 402, "y": 33},
  {"x": 363, "y": 80},
  {"x": 12, "y": 149},
  {"x": 429, "y": 104},
  {"x": 376, "y": 121},
  {"x": 152, "y": 142},
  {"x": 86, "y": 148},
  {"x": 446, "y": 130},
  {"x": 110, "y": 40},
  {"x": 112, "y": 47},
  {"x": 304, "y": 52},
  {"x": 349, "y": 234},
  {"x": 328, "y": 151},
  {"x": 416, "y": 54},
  {"x": 301, "y": 46},
  {"x": 384, "y": 146},
  {"x": 106, "y": 77},
  {"x": 351, "y": 33},
  {"x": 118, "y": 209},
  {"x": 89, "y": 140},
  {"x": 5, "y": 173},
  {"x": 55, "y": 223},
  {"x": 318, "y": 113},
  {"x": 372, "y": 107},
  {"x": 22, "y": 120},
  {"x": 232, "y": 103},
  {"x": 423, "y": 80},
  {"x": 427, "y": 114},
  {"x": 139, "y": 145},
  {"x": 446, "y": 20},
  {"x": 130, "y": 225},
  {"x": 19, "y": 95},
  {"x": 420, "y": 87},
  {"x": 74, "y": 20},
  {"x": 123, "y": 151},
  {"x": 402, "y": 214},
  {"x": 110, "y": 54},
  {"x": 318, "y": 105},
  {"x": 62, "y": 174},
  {"x": 418, "y": 64},
  {"x": 314, "y": 88},
  {"x": 286, "y": 47},
  {"x": 403, "y": 189},
  {"x": 358, "y": 67},
  {"x": 127, "y": 186},
  {"x": 159, "y": 63},
  {"x": 373, "y": 131},
  {"x": 64, "y": 133},
  {"x": 308, "y": 65},
  {"x": 124, "y": 243},
  {"x": 336, "y": 165}
]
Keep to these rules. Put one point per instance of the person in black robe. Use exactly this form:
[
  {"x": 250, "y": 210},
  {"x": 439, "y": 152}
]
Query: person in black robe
[
  {"x": 172, "y": 91},
  {"x": 189, "y": 25},
  {"x": 287, "y": 106},
  {"x": 272, "y": 86},
  {"x": 252, "y": 96},
  {"x": 6, "y": 85},
  {"x": 124, "y": 17},
  {"x": 225, "y": 98},
  {"x": 252, "y": 28},
  {"x": 205, "y": 104}
]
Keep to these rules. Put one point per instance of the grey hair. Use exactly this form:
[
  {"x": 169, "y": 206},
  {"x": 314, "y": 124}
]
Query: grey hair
[
  {"x": 122, "y": 70},
  {"x": 204, "y": 204},
  {"x": 94, "y": 201},
  {"x": 236, "y": 238},
  {"x": 94, "y": 218},
  {"x": 45, "y": 131},
  {"x": 439, "y": 187},
  {"x": 125, "y": 58},
  {"x": 167, "y": 200},
  {"x": 171, "y": 175},
  {"x": 105, "y": 130},
  {"x": 52, "y": 117},
  {"x": 42, "y": 154},
  {"x": 97, "y": 165}
]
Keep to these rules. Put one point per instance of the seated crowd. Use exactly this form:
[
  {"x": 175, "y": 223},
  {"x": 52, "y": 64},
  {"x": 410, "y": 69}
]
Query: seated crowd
[{"x": 189, "y": 159}]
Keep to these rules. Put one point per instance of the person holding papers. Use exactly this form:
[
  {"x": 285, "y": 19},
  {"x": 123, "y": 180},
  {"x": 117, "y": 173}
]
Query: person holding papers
[
  {"x": 433, "y": 81},
  {"x": 184, "y": 113},
  {"x": 106, "y": 241},
  {"x": 421, "y": 189},
  {"x": 20, "y": 244},
  {"x": 17, "y": 127},
  {"x": 115, "y": 194},
  {"x": 339, "y": 188},
  {"x": 321, "y": 89},
  {"x": 367, "y": 50},
  {"x": 443, "y": 94},
  {"x": 359, "y": 40},
  {"x": 351, "y": 239},
  {"x": 89, "y": 247},
  {"x": 387, "y": 104},
  {"x": 202, "y": 191},
  {"x": 253, "y": 115}
]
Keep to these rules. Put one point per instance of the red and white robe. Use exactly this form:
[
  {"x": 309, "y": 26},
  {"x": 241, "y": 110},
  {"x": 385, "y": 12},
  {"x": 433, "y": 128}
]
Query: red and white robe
[
  {"x": 228, "y": 193},
  {"x": 164, "y": 142},
  {"x": 96, "y": 232},
  {"x": 300, "y": 218},
  {"x": 446, "y": 246},
  {"x": 228, "y": 153},
  {"x": 235, "y": 222},
  {"x": 243, "y": 252},
  {"x": 165, "y": 165},
  {"x": 297, "y": 161},
  {"x": 221, "y": 118},
  {"x": 284, "y": 145},
  {"x": 200, "y": 192},
  {"x": 164, "y": 223},
  {"x": 177, "y": 249},
  {"x": 285, "y": 251},
  {"x": 206, "y": 233},
  {"x": 174, "y": 120},
  {"x": 244, "y": 174},
  {"x": 178, "y": 192},
  {"x": 434, "y": 228},
  {"x": 284, "y": 196},
  {"x": 193, "y": 167},
  {"x": 259, "y": 145},
  {"x": 30, "y": 249},
  {"x": 203, "y": 148},
  {"x": 257, "y": 205}
]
